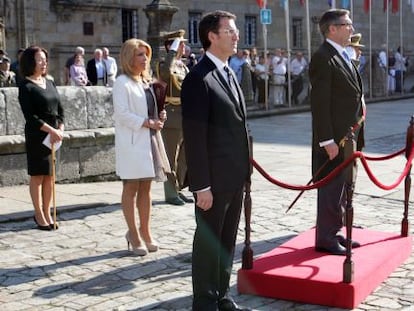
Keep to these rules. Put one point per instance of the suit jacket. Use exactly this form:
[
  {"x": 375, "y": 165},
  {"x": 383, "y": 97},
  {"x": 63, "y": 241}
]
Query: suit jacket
[
  {"x": 336, "y": 103},
  {"x": 92, "y": 74},
  {"x": 215, "y": 130}
]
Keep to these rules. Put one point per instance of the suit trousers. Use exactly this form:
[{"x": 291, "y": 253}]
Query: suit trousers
[
  {"x": 329, "y": 220},
  {"x": 213, "y": 249}
]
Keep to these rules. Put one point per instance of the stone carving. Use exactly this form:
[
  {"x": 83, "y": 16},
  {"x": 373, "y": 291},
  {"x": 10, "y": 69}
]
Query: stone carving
[{"x": 9, "y": 13}]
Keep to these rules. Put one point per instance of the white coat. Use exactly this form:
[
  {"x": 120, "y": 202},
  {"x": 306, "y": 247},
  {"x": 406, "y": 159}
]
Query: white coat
[{"x": 133, "y": 154}]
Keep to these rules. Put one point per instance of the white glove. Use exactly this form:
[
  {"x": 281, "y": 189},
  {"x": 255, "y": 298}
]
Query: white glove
[{"x": 176, "y": 43}]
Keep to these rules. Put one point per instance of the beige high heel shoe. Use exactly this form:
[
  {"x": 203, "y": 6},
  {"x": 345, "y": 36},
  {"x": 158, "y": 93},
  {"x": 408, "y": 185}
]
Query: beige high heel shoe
[
  {"x": 137, "y": 250},
  {"x": 151, "y": 246}
]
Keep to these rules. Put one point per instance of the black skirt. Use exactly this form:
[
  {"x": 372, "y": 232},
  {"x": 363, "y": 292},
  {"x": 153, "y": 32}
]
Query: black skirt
[{"x": 39, "y": 160}]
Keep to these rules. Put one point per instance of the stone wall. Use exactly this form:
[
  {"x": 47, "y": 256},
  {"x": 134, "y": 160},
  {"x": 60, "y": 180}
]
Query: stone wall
[{"x": 87, "y": 152}]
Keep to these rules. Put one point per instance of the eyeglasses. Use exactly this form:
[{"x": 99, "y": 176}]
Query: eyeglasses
[
  {"x": 230, "y": 32},
  {"x": 345, "y": 24}
]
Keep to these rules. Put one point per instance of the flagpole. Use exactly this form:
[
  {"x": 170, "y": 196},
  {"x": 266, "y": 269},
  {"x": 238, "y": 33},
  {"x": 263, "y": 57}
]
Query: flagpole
[
  {"x": 288, "y": 51},
  {"x": 333, "y": 4},
  {"x": 387, "y": 43},
  {"x": 265, "y": 57},
  {"x": 308, "y": 31},
  {"x": 370, "y": 49},
  {"x": 352, "y": 9},
  {"x": 401, "y": 47}
]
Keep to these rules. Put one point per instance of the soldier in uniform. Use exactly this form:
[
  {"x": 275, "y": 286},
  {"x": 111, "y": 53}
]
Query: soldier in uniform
[
  {"x": 7, "y": 77},
  {"x": 173, "y": 71}
]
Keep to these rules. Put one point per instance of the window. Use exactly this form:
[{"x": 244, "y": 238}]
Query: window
[
  {"x": 193, "y": 21},
  {"x": 88, "y": 29},
  {"x": 129, "y": 24},
  {"x": 297, "y": 32},
  {"x": 250, "y": 31}
]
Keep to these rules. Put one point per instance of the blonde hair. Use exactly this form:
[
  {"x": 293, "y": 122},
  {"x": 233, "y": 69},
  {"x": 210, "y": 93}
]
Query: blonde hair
[{"x": 126, "y": 56}]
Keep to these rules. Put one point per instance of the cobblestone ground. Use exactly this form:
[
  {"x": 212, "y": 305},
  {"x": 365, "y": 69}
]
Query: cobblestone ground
[{"x": 85, "y": 265}]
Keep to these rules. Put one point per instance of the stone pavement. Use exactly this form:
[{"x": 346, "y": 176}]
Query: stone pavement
[{"x": 85, "y": 264}]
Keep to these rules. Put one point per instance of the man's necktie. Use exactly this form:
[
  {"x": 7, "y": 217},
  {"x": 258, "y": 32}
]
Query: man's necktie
[
  {"x": 347, "y": 59},
  {"x": 231, "y": 82}
]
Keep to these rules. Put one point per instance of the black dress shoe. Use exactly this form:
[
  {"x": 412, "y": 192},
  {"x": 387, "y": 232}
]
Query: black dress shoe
[
  {"x": 336, "y": 249},
  {"x": 175, "y": 201},
  {"x": 184, "y": 198},
  {"x": 342, "y": 241},
  {"x": 227, "y": 304},
  {"x": 40, "y": 227}
]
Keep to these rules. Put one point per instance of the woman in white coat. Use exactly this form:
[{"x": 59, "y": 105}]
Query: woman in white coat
[{"x": 140, "y": 154}]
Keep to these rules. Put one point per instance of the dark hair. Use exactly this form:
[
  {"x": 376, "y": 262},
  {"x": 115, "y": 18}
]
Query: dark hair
[
  {"x": 329, "y": 18},
  {"x": 211, "y": 22},
  {"x": 27, "y": 63}
]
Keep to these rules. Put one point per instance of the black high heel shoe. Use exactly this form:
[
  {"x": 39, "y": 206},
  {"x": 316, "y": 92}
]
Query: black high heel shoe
[{"x": 44, "y": 228}]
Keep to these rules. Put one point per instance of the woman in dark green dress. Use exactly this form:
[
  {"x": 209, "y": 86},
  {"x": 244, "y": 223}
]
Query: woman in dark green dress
[{"x": 43, "y": 112}]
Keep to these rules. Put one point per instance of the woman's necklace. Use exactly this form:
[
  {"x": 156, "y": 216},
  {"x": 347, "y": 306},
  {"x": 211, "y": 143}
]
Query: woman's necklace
[{"x": 40, "y": 81}]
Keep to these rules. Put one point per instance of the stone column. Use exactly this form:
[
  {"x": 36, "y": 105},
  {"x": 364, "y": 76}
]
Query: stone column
[
  {"x": 2, "y": 34},
  {"x": 159, "y": 14}
]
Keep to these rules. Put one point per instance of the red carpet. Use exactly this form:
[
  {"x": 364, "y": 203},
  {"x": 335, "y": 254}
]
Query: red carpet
[{"x": 294, "y": 271}]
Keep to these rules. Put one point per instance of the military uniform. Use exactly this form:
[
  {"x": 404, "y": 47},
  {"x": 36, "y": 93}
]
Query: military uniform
[
  {"x": 173, "y": 71},
  {"x": 7, "y": 77}
]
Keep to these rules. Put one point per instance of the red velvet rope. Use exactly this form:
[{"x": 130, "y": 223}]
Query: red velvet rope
[
  {"x": 387, "y": 157},
  {"x": 339, "y": 168},
  {"x": 399, "y": 179}
]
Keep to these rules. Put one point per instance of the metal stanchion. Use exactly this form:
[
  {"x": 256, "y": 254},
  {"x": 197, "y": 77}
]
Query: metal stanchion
[
  {"x": 247, "y": 254},
  {"x": 350, "y": 178},
  {"x": 407, "y": 184}
]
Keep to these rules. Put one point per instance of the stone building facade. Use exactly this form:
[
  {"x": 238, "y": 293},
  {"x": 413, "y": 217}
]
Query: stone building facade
[{"x": 61, "y": 25}]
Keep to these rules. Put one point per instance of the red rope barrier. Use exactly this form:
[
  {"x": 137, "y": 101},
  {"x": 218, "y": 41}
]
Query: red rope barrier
[
  {"x": 377, "y": 182},
  {"x": 339, "y": 168},
  {"x": 320, "y": 183},
  {"x": 387, "y": 157}
]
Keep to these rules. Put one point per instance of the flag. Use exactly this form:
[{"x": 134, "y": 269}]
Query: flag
[
  {"x": 345, "y": 4},
  {"x": 283, "y": 4},
  {"x": 260, "y": 3},
  {"x": 367, "y": 5},
  {"x": 330, "y": 3},
  {"x": 395, "y": 6},
  {"x": 302, "y": 2},
  {"x": 411, "y": 3}
]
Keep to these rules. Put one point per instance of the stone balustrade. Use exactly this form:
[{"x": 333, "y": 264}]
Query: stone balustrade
[{"x": 87, "y": 152}]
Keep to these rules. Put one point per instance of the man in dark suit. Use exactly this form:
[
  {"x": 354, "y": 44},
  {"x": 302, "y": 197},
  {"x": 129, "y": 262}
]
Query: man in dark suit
[
  {"x": 337, "y": 104},
  {"x": 217, "y": 154},
  {"x": 96, "y": 69}
]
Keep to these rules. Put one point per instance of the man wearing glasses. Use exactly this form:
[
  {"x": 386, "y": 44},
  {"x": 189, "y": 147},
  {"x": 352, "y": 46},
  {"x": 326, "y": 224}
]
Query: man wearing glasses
[
  {"x": 217, "y": 154},
  {"x": 337, "y": 104}
]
